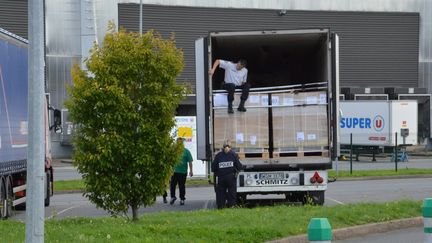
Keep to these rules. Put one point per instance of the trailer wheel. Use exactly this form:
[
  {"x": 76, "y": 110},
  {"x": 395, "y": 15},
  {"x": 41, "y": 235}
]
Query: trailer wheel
[
  {"x": 2, "y": 199},
  {"x": 295, "y": 197},
  {"x": 241, "y": 199},
  {"x": 9, "y": 198},
  {"x": 315, "y": 198},
  {"x": 48, "y": 189}
]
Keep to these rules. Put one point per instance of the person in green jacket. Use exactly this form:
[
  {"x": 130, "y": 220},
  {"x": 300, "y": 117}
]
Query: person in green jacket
[{"x": 179, "y": 176}]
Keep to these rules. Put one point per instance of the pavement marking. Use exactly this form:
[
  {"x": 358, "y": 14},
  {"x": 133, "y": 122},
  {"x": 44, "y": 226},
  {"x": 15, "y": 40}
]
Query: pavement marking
[
  {"x": 64, "y": 210},
  {"x": 336, "y": 201},
  {"x": 206, "y": 204}
]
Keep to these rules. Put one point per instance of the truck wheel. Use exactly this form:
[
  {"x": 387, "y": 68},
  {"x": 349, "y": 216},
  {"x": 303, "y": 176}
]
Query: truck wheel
[
  {"x": 315, "y": 197},
  {"x": 9, "y": 198},
  {"x": 2, "y": 198},
  {"x": 295, "y": 197},
  {"x": 48, "y": 189},
  {"x": 241, "y": 199}
]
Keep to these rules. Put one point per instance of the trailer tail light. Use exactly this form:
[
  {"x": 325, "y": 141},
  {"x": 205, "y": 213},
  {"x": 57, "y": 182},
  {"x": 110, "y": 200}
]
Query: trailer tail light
[
  {"x": 20, "y": 193},
  {"x": 316, "y": 178}
]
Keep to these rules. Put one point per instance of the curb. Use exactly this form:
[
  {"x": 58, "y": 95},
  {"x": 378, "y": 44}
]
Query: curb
[
  {"x": 419, "y": 154},
  {"x": 66, "y": 161},
  {"x": 360, "y": 230},
  {"x": 67, "y": 191}
]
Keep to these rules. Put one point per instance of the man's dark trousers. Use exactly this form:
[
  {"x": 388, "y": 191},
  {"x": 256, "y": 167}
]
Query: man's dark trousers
[
  {"x": 180, "y": 179},
  {"x": 230, "y": 87},
  {"x": 226, "y": 190}
]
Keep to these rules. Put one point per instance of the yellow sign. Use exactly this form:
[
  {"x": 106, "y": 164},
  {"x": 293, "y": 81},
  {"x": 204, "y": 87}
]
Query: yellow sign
[{"x": 185, "y": 132}]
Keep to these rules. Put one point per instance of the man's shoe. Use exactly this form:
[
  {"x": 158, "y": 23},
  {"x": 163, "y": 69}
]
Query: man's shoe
[
  {"x": 165, "y": 199},
  {"x": 241, "y": 108},
  {"x": 230, "y": 109},
  {"x": 181, "y": 202},
  {"x": 173, "y": 199}
]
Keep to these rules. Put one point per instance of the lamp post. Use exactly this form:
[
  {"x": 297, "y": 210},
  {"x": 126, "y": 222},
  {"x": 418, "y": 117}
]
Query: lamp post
[
  {"x": 140, "y": 19},
  {"x": 36, "y": 148}
]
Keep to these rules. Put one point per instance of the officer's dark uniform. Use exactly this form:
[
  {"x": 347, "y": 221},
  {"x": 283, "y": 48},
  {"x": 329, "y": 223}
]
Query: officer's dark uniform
[{"x": 225, "y": 166}]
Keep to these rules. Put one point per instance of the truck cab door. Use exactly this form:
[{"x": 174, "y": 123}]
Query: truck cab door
[{"x": 203, "y": 100}]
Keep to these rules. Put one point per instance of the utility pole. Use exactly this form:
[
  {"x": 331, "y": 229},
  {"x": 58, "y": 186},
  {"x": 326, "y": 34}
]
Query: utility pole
[
  {"x": 36, "y": 149},
  {"x": 140, "y": 19}
]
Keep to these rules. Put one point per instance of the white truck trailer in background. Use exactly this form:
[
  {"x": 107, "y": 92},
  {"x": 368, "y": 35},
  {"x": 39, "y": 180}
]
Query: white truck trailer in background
[
  {"x": 375, "y": 123},
  {"x": 288, "y": 137}
]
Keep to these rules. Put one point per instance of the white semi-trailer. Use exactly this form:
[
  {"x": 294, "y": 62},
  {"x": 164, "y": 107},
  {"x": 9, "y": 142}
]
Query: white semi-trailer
[
  {"x": 376, "y": 123},
  {"x": 288, "y": 137}
]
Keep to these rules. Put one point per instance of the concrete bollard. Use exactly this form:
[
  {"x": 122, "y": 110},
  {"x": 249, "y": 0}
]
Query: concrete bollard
[
  {"x": 427, "y": 219},
  {"x": 319, "y": 230}
]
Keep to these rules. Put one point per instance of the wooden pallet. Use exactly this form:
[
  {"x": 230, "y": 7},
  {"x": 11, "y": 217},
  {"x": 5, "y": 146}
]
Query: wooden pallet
[
  {"x": 322, "y": 153},
  {"x": 262, "y": 154}
]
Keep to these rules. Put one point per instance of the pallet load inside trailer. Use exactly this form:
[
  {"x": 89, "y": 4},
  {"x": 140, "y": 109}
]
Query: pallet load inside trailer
[
  {"x": 14, "y": 125},
  {"x": 286, "y": 139}
]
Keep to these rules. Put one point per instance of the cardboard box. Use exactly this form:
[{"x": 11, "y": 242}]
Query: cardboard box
[
  {"x": 315, "y": 125},
  {"x": 300, "y": 122},
  {"x": 244, "y": 129}
]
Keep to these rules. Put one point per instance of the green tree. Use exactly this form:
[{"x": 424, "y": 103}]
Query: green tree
[{"x": 124, "y": 105}]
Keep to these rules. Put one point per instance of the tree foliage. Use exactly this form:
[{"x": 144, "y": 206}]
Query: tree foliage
[{"x": 124, "y": 105}]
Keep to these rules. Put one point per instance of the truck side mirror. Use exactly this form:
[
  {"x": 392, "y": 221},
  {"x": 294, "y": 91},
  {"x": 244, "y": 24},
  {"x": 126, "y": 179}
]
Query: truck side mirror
[
  {"x": 57, "y": 121},
  {"x": 57, "y": 117}
]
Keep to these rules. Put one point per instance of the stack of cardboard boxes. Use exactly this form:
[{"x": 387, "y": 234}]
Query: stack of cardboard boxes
[
  {"x": 299, "y": 121},
  {"x": 245, "y": 130}
]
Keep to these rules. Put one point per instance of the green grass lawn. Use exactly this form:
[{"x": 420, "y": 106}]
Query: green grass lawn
[
  {"x": 68, "y": 185},
  {"x": 229, "y": 225}
]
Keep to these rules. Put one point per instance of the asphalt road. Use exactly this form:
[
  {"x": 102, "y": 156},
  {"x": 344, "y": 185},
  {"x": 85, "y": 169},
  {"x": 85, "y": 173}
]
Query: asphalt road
[{"x": 340, "y": 192}]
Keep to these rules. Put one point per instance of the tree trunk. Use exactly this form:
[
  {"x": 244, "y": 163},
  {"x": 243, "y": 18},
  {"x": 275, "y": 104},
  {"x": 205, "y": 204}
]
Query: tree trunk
[{"x": 134, "y": 213}]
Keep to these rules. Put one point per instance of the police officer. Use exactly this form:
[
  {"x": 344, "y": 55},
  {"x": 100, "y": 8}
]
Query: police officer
[{"x": 225, "y": 166}]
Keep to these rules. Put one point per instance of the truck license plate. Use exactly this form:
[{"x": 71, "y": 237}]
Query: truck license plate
[{"x": 271, "y": 176}]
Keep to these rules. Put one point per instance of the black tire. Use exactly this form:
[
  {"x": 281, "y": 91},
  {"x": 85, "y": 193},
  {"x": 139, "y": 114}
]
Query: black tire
[
  {"x": 20, "y": 207},
  {"x": 315, "y": 198},
  {"x": 289, "y": 197},
  {"x": 241, "y": 199},
  {"x": 48, "y": 189},
  {"x": 2, "y": 198},
  {"x": 9, "y": 197},
  {"x": 295, "y": 197}
]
